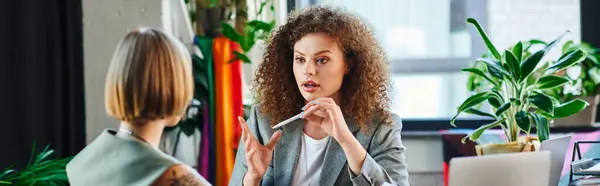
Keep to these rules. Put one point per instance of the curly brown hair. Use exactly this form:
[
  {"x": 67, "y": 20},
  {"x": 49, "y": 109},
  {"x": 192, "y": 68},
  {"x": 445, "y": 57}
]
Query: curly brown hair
[{"x": 365, "y": 86}]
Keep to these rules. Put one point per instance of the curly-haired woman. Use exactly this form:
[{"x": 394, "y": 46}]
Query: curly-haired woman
[{"x": 325, "y": 63}]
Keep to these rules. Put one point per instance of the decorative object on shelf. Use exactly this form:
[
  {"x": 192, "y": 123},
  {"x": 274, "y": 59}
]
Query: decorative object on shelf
[
  {"x": 42, "y": 169},
  {"x": 515, "y": 92}
]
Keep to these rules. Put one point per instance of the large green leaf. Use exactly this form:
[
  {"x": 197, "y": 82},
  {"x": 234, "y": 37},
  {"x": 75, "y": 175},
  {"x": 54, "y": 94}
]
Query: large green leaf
[
  {"x": 549, "y": 82},
  {"x": 523, "y": 121},
  {"x": 479, "y": 112},
  {"x": 529, "y": 64},
  {"x": 485, "y": 38},
  {"x": 502, "y": 108},
  {"x": 480, "y": 73},
  {"x": 494, "y": 102},
  {"x": 248, "y": 39},
  {"x": 240, "y": 56},
  {"x": 477, "y": 133},
  {"x": 470, "y": 102},
  {"x": 261, "y": 25},
  {"x": 542, "y": 102},
  {"x": 567, "y": 60},
  {"x": 494, "y": 72},
  {"x": 517, "y": 50},
  {"x": 569, "y": 108},
  {"x": 513, "y": 63},
  {"x": 541, "y": 125},
  {"x": 494, "y": 66},
  {"x": 230, "y": 33}
]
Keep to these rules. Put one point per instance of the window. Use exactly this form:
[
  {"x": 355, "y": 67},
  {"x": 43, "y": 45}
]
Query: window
[{"x": 428, "y": 42}]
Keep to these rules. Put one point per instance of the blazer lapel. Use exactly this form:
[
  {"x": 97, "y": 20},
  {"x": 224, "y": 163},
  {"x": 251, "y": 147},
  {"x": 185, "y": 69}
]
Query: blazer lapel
[
  {"x": 335, "y": 158},
  {"x": 286, "y": 152}
]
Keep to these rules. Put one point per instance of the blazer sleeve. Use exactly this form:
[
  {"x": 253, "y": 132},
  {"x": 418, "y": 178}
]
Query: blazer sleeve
[
  {"x": 240, "y": 167},
  {"x": 385, "y": 162}
]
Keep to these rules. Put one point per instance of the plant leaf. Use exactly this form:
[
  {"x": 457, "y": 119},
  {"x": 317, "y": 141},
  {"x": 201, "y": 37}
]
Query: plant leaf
[
  {"x": 594, "y": 74},
  {"x": 542, "y": 127},
  {"x": 542, "y": 102},
  {"x": 470, "y": 102},
  {"x": 549, "y": 82},
  {"x": 528, "y": 44},
  {"x": 229, "y": 32},
  {"x": 240, "y": 56},
  {"x": 262, "y": 6},
  {"x": 494, "y": 102},
  {"x": 523, "y": 121},
  {"x": 568, "y": 46},
  {"x": 513, "y": 63},
  {"x": 479, "y": 112},
  {"x": 502, "y": 108},
  {"x": 517, "y": 50},
  {"x": 494, "y": 65},
  {"x": 567, "y": 60},
  {"x": 569, "y": 108},
  {"x": 477, "y": 133},
  {"x": 485, "y": 38},
  {"x": 480, "y": 73},
  {"x": 529, "y": 64}
]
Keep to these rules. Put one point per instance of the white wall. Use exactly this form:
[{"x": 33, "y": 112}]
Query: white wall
[{"x": 105, "y": 22}]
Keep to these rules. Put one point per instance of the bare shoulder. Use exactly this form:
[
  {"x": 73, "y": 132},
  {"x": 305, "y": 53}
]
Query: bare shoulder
[{"x": 180, "y": 175}]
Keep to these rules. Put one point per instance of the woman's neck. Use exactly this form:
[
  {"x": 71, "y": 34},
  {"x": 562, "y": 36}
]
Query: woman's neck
[
  {"x": 149, "y": 132},
  {"x": 314, "y": 131}
]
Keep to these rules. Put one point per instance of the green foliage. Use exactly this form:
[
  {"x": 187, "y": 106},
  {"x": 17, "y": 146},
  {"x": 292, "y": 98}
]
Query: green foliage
[
  {"x": 513, "y": 83},
  {"x": 42, "y": 169},
  {"x": 253, "y": 32}
]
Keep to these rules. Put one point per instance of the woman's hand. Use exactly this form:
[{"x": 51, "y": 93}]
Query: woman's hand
[
  {"x": 258, "y": 156},
  {"x": 326, "y": 113}
]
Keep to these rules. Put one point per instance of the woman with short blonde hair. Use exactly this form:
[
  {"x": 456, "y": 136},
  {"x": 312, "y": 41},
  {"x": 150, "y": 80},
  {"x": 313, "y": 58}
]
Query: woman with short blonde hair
[{"x": 148, "y": 87}]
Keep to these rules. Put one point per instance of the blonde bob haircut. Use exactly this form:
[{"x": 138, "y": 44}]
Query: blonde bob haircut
[{"x": 149, "y": 77}]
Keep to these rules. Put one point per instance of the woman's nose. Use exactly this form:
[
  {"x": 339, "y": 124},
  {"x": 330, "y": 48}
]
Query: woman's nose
[{"x": 309, "y": 69}]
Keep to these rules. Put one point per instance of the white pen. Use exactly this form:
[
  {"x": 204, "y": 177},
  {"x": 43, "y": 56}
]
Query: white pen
[{"x": 288, "y": 121}]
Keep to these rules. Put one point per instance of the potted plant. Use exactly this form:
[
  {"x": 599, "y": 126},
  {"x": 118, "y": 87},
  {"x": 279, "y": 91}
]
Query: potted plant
[
  {"x": 516, "y": 95},
  {"x": 586, "y": 78},
  {"x": 41, "y": 170}
]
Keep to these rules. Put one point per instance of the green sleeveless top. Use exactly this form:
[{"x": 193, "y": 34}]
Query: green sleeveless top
[{"x": 112, "y": 160}]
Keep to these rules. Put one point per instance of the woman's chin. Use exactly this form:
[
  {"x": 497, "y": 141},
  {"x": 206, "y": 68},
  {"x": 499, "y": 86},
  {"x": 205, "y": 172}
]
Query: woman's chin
[{"x": 309, "y": 96}]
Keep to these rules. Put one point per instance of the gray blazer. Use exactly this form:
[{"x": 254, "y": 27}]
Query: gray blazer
[{"x": 384, "y": 162}]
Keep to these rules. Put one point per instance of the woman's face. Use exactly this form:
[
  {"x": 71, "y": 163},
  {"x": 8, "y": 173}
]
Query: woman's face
[{"x": 319, "y": 66}]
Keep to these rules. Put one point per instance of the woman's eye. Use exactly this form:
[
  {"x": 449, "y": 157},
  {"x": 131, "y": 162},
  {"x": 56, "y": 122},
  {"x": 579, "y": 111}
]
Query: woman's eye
[
  {"x": 322, "y": 60},
  {"x": 299, "y": 60}
]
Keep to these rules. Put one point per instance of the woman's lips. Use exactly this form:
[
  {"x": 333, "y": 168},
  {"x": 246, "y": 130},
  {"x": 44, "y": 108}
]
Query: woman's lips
[{"x": 310, "y": 86}]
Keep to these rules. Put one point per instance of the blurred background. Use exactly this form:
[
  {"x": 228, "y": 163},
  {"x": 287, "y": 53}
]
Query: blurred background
[{"x": 55, "y": 53}]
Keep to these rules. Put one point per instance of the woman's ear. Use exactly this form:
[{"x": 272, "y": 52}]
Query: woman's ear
[{"x": 348, "y": 67}]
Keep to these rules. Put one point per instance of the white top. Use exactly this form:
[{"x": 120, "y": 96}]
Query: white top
[{"x": 310, "y": 162}]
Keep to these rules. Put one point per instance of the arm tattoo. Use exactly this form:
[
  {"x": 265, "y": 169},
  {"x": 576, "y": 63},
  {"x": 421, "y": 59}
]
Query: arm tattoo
[{"x": 183, "y": 180}]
